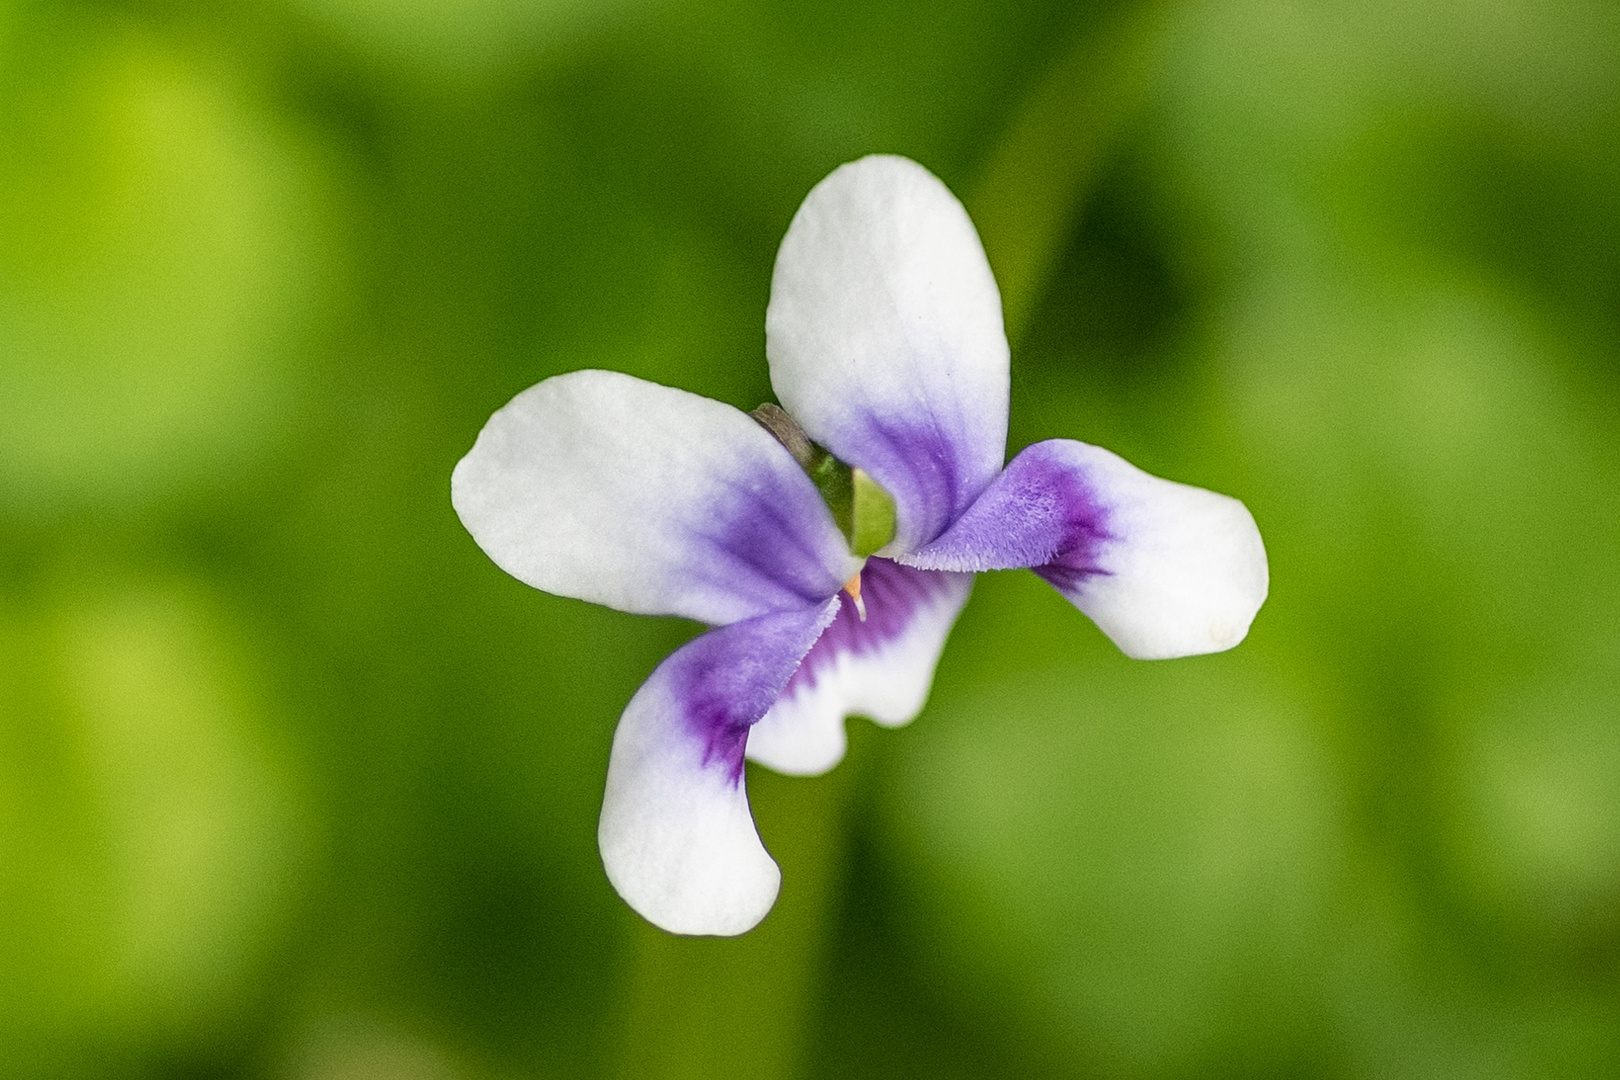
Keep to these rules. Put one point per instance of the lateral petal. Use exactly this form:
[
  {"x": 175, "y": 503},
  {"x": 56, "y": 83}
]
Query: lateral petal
[
  {"x": 676, "y": 835},
  {"x": 1163, "y": 569},
  {"x": 881, "y": 668},
  {"x": 885, "y": 339},
  {"x": 611, "y": 489}
]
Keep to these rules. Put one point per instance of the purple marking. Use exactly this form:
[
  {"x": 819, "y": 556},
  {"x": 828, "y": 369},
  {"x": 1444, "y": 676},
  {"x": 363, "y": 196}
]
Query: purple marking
[
  {"x": 893, "y": 595},
  {"x": 927, "y": 467},
  {"x": 1041, "y": 512},
  {"x": 769, "y": 538},
  {"x": 729, "y": 677}
]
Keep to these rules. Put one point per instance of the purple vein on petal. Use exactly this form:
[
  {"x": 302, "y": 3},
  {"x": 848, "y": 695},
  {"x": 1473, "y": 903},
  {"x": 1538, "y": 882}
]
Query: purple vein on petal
[
  {"x": 777, "y": 550},
  {"x": 1041, "y": 512},
  {"x": 893, "y": 595},
  {"x": 729, "y": 677},
  {"x": 925, "y": 467}
]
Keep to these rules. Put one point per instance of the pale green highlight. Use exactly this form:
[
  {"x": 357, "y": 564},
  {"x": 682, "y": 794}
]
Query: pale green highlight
[
  {"x": 873, "y": 514},
  {"x": 863, "y": 511}
]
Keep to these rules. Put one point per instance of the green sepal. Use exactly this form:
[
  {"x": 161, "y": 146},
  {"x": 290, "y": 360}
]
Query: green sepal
[
  {"x": 836, "y": 483},
  {"x": 873, "y": 517},
  {"x": 863, "y": 511}
]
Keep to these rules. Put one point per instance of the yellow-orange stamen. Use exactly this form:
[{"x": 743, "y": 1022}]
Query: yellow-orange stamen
[{"x": 853, "y": 587}]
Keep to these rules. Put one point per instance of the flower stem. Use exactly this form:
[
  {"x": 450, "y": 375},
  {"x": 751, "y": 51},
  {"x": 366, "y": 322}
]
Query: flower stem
[{"x": 1033, "y": 182}]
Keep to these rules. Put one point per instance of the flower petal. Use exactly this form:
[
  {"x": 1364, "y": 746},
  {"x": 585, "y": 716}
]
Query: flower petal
[
  {"x": 1164, "y": 569},
  {"x": 885, "y": 339},
  {"x": 607, "y": 488},
  {"x": 881, "y": 668},
  {"x": 676, "y": 835}
]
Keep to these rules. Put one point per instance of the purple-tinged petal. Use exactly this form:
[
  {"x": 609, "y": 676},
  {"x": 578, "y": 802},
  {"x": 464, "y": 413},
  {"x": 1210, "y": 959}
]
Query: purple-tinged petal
[
  {"x": 607, "y": 488},
  {"x": 1043, "y": 509},
  {"x": 676, "y": 835},
  {"x": 885, "y": 339},
  {"x": 881, "y": 668},
  {"x": 1164, "y": 569}
]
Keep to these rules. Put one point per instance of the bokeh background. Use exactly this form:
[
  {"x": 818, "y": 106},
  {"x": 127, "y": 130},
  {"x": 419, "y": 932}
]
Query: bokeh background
[{"x": 295, "y": 784}]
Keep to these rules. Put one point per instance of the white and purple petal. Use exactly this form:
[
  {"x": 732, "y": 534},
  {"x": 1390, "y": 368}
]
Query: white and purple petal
[
  {"x": 881, "y": 668},
  {"x": 676, "y": 835},
  {"x": 1163, "y": 569},
  {"x": 608, "y": 488},
  {"x": 885, "y": 339}
]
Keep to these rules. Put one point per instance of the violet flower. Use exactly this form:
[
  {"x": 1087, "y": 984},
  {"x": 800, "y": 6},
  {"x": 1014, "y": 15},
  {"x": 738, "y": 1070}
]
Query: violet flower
[{"x": 885, "y": 342}]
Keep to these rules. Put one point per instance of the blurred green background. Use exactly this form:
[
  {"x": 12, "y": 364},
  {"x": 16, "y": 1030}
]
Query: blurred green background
[{"x": 294, "y": 783}]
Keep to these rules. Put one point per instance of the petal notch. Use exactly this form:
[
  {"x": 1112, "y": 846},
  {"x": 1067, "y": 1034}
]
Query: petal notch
[{"x": 881, "y": 667}]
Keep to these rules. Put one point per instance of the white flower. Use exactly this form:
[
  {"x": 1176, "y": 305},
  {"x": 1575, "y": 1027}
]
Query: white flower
[{"x": 885, "y": 343}]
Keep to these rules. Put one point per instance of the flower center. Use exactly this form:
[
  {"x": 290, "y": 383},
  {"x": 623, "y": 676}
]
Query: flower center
[
  {"x": 853, "y": 587},
  {"x": 863, "y": 510}
]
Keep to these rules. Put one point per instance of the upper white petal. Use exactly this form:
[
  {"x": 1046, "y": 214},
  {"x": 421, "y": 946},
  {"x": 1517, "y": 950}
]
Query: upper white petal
[
  {"x": 607, "y": 488},
  {"x": 885, "y": 338}
]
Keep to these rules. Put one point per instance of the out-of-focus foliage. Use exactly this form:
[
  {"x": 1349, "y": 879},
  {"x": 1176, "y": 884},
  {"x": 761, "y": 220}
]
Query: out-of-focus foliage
[{"x": 295, "y": 784}]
